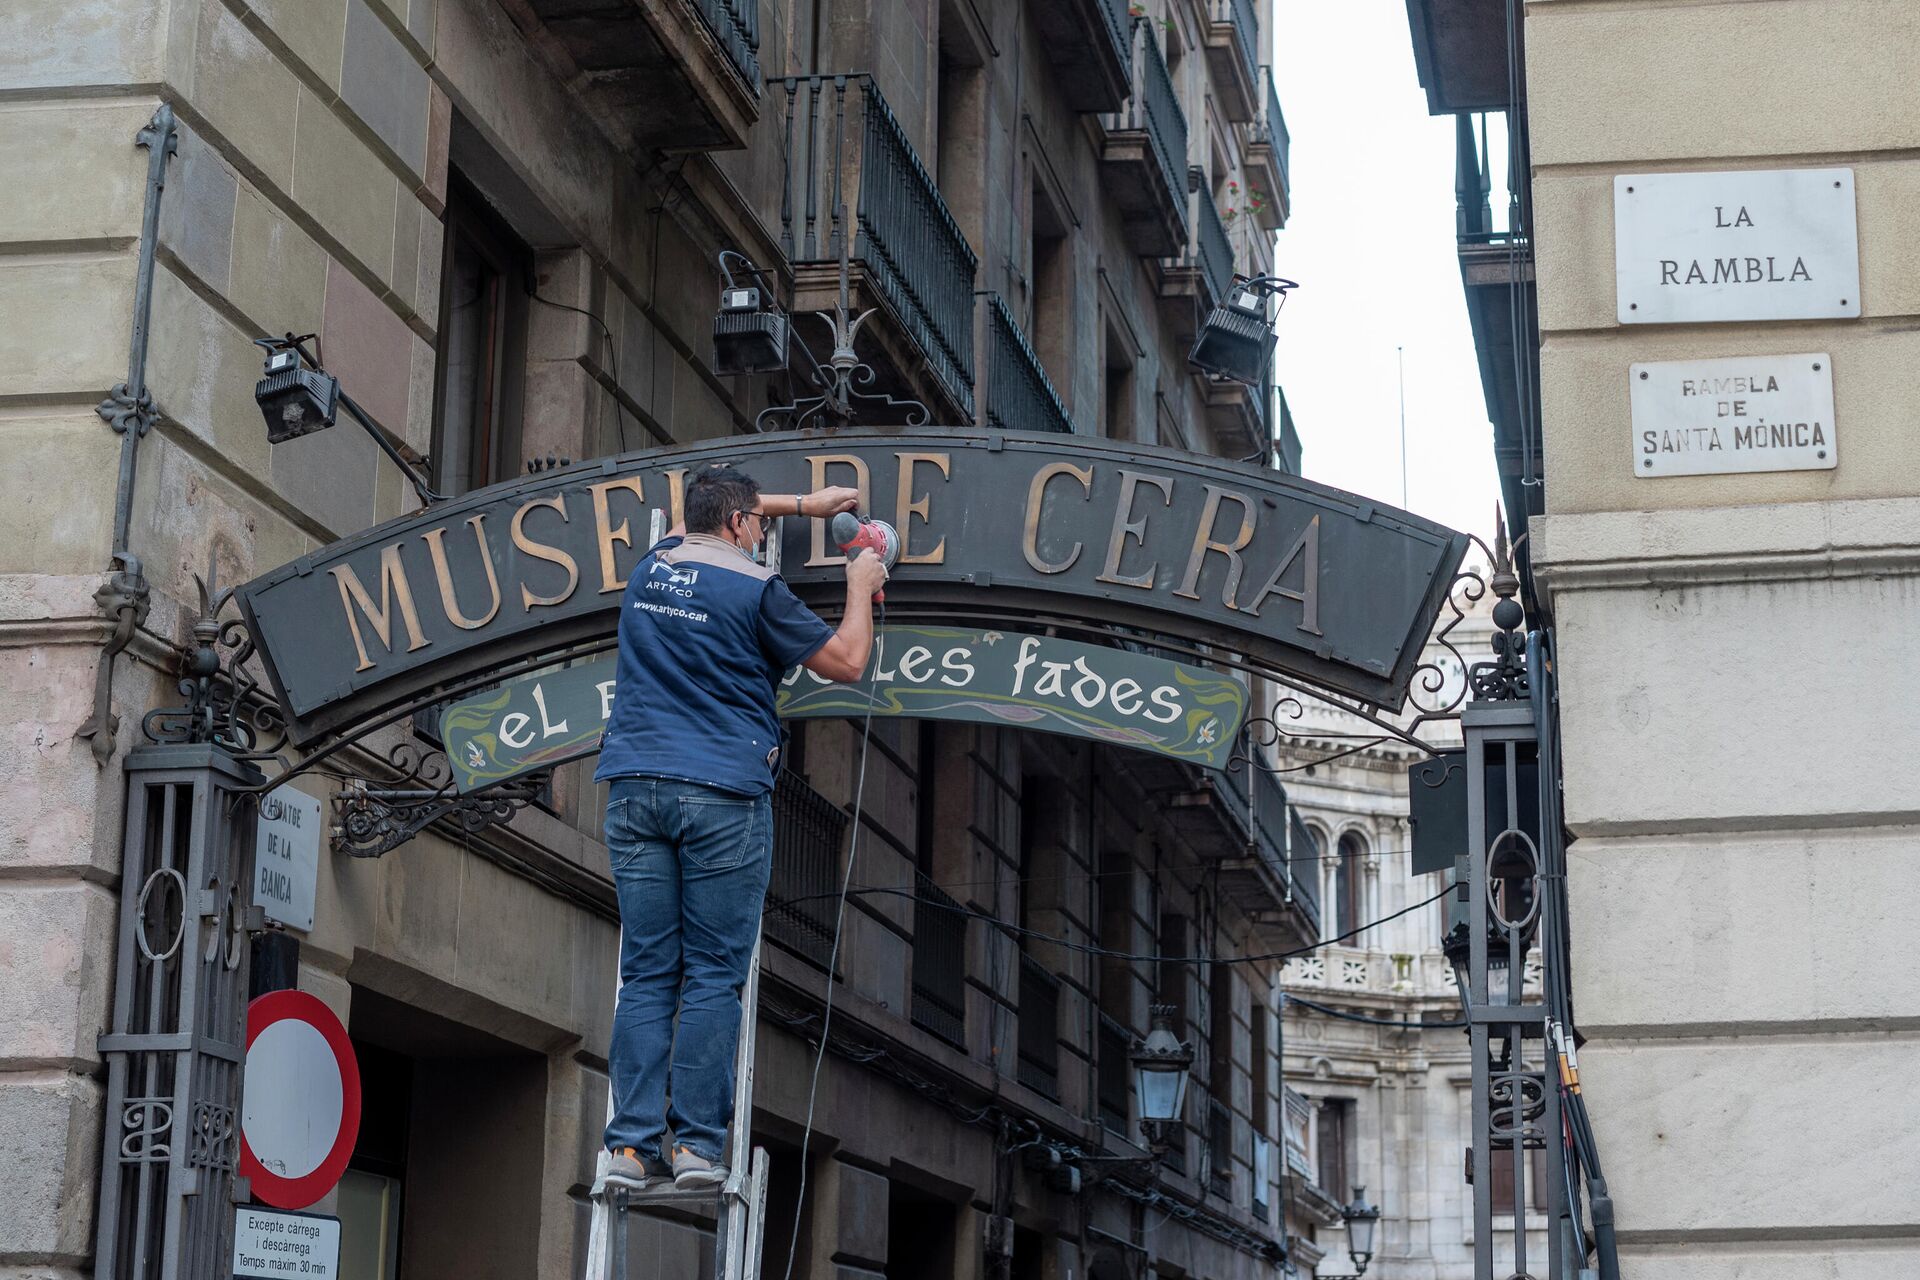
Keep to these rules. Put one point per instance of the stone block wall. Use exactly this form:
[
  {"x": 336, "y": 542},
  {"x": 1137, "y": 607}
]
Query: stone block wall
[{"x": 1734, "y": 652}]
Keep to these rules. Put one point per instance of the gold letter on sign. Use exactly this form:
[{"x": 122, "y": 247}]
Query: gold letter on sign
[
  {"x": 1124, "y": 528},
  {"x": 818, "y": 463},
  {"x": 1036, "y": 495},
  {"x": 1307, "y": 548},
  {"x": 608, "y": 531},
  {"x": 1203, "y": 542},
  {"x": 907, "y": 507},
  {"x": 541, "y": 551},
  {"x": 393, "y": 583},
  {"x": 449, "y": 603},
  {"x": 676, "y": 497}
]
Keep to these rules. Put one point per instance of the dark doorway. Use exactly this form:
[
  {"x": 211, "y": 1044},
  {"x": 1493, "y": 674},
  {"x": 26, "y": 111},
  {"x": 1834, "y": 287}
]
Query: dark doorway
[
  {"x": 454, "y": 1133},
  {"x": 920, "y": 1235}
]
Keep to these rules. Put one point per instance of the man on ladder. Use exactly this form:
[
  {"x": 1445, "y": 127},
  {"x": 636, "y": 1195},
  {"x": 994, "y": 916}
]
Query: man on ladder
[{"x": 691, "y": 751}]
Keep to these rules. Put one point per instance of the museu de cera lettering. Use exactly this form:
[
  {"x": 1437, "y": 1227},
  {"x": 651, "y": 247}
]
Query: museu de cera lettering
[{"x": 1065, "y": 530}]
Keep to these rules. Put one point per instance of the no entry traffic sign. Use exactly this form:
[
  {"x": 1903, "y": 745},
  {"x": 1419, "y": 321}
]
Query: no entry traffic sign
[{"x": 301, "y": 1113}]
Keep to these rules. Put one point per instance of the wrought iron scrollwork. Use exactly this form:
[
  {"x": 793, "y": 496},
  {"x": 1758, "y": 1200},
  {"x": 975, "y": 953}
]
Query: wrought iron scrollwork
[
  {"x": 374, "y": 819},
  {"x": 223, "y": 700},
  {"x": 147, "y": 1125},
  {"x": 215, "y": 1143},
  {"x": 839, "y": 401}
]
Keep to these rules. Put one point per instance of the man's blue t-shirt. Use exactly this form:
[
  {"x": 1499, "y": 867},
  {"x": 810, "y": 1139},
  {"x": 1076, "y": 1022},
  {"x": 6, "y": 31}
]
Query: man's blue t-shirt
[{"x": 705, "y": 636}]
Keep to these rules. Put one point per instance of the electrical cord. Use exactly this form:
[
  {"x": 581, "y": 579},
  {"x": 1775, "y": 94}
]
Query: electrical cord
[
  {"x": 613, "y": 357},
  {"x": 1331, "y": 1012},
  {"x": 839, "y": 922},
  {"x": 1112, "y": 954}
]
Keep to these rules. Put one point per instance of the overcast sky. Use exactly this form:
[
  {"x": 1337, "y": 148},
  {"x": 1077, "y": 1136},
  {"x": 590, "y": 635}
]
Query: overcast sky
[{"x": 1370, "y": 240}]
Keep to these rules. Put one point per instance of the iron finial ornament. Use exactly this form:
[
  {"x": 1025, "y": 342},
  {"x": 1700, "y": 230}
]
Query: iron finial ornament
[{"x": 1505, "y": 678}]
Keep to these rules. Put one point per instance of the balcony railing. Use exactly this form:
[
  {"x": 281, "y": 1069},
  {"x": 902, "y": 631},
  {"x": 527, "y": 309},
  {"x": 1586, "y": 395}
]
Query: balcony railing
[
  {"x": 1113, "y": 24},
  {"x": 1020, "y": 396},
  {"x": 913, "y": 253},
  {"x": 1212, "y": 250},
  {"x": 736, "y": 25},
  {"x": 1154, "y": 108},
  {"x": 1113, "y": 1071},
  {"x": 939, "y": 962},
  {"x": 1039, "y": 1067},
  {"x": 1219, "y": 1148},
  {"x": 1286, "y": 440},
  {"x": 1303, "y": 863},
  {"x": 1246, "y": 28},
  {"x": 1271, "y": 127},
  {"x": 809, "y": 831}
]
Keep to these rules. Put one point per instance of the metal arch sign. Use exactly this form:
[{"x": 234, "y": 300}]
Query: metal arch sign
[{"x": 1296, "y": 577}]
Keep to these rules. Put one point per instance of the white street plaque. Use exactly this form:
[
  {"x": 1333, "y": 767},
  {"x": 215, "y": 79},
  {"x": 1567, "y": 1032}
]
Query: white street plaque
[
  {"x": 273, "y": 1242},
  {"x": 1716, "y": 417},
  {"x": 1770, "y": 244},
  {"x": 286, "y": 856}
]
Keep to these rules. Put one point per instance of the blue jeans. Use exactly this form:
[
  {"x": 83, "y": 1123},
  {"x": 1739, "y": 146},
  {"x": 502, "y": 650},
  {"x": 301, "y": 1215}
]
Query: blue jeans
[{"x": 690, "y": 864}]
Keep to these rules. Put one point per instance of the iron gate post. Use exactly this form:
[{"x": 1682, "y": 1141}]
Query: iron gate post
[
  {"x": 175, "y": 1047},
  {"x": 1516, "y": 1098}
]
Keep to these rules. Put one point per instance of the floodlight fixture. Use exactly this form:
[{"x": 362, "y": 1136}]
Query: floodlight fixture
[
  {"x": 297, "y": 398},
  {"x": 1237, "y": 339},
  {"x": 750, "y": 331}
]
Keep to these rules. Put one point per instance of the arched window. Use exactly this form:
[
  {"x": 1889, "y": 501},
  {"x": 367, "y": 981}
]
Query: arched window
[{"x": 1349, "y": 886}]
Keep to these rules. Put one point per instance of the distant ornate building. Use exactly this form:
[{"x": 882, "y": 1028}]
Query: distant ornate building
[{"x": 1385, "y": 1097}]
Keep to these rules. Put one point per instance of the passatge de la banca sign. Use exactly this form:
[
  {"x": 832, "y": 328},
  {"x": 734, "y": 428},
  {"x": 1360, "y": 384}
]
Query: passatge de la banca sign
[
  {"x": 1748, "y": 413},
  {"x": 286, "y": 856},
  {"x": 1773, "y": 244}
]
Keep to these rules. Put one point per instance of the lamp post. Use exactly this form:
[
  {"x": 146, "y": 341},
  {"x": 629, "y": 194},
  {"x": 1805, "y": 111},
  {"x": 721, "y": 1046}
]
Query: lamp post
[{"x": 1361, "y": 1219}]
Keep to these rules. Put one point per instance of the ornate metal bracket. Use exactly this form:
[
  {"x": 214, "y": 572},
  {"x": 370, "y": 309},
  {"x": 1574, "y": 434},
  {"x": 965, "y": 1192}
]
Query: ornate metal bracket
[
  {"x": 128, "y": 410},
  {"x": 371, "y": 820},
  {"x": 223, "y": 703},
  {"x": 839, "y": 399}
]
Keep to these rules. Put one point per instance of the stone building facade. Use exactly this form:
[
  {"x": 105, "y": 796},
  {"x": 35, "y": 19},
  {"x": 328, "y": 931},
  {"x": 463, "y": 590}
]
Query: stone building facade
[
  {"x": 1734, "y": 648},
  {"x": 500, "y": 220}
]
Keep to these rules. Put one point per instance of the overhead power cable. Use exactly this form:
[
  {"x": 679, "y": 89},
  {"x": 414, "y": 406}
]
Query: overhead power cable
[{"x": 1109, "y": 952}]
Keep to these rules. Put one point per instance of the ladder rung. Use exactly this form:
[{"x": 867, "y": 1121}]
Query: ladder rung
[{"x": 662, "y": 1195}]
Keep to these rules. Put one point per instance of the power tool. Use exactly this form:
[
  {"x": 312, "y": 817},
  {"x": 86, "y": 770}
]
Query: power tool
[{"x": 855, "y": 534}]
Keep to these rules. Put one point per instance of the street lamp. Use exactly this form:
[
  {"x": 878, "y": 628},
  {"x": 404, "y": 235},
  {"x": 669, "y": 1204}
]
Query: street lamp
[
  {"x": 1361, "y": 1219},
  {"x": 1160, "y": 1066},
  {"x": 1236, "y": 340},
  {"x": 1458, "y": 949},
  {"x": 297, "y": 398}
]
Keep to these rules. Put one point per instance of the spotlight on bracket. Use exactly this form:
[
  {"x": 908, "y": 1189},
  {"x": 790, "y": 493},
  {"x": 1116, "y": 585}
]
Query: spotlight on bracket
[
  {"x": 295, "y": 400},
  {"x": 1236, "y": 342},
  {"x": 750, "y": 332}
]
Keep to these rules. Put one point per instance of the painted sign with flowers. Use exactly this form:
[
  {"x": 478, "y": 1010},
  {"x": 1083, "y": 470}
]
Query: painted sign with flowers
[{"x": 1006, "y": 678}]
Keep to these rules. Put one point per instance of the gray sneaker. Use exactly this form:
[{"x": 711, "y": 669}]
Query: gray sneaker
[
  {"x": 691, "y": 1171},
  {"x": 628, "y": 1168}
]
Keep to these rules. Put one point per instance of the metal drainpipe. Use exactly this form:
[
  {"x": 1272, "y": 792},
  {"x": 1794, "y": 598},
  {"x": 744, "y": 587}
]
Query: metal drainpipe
[{"x": 128, "y": 409}]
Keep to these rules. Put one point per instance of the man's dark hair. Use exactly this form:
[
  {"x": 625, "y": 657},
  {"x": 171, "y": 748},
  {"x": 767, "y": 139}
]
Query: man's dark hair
[{"x": 715, "y": 494}]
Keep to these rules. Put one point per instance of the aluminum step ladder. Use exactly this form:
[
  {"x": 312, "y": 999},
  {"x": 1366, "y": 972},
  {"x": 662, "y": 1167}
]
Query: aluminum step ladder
[{"x": 740, "y": 1202}]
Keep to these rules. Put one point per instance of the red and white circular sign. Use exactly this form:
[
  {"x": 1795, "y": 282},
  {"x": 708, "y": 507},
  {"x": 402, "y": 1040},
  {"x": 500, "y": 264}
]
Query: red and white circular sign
[{"x": 301, "y": 1115}]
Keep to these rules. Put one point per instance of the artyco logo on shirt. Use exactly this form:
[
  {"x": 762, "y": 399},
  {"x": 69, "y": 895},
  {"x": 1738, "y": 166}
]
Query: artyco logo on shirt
[{"x": 664, "y": 577}]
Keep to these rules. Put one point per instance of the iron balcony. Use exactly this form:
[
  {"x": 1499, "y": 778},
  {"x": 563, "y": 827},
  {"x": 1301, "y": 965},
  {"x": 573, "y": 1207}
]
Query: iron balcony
[
  {"x": 854, "y": 183},
  {"x": 1143, "y": 162}
]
